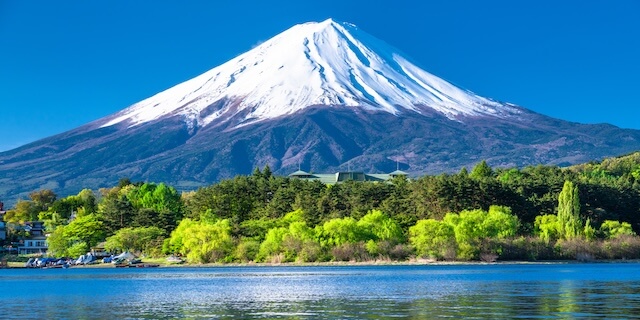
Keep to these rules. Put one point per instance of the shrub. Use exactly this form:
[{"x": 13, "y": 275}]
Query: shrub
[
  {"x": 246, "y": 250},
  {"x": 578, "y": 249},
  {"x": 622, "y": 247},
  {"x": 350, "y": 252},
  {"x": 311, "y": 251}
]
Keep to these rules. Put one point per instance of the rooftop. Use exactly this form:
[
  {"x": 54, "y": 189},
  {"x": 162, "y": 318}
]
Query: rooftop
[{"x": 342, "y": 176}]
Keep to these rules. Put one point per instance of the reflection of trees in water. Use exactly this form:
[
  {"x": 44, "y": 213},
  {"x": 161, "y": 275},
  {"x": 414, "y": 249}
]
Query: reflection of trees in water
[
  {"x": 563, "y": 299},
  {"x": 571, "y": 299},
  {"x": 557, "y": 299},
  {"x": 408, "y": 292}
]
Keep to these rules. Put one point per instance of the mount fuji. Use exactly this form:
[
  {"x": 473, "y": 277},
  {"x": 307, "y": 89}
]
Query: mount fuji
[{"x": 321, "y": 96}]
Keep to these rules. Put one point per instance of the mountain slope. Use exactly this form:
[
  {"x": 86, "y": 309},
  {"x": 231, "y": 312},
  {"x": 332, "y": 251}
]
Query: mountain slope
[
  {"x": 324, "y": 63},
  {"x": 325, "y": 96}
]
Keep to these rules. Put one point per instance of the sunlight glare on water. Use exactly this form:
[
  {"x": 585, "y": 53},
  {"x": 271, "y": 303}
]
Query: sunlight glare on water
[{"x": 481, "y": 291}]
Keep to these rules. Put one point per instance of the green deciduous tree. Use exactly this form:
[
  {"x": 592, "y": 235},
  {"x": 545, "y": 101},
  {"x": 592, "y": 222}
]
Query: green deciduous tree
[
  {"x": 272, "y": 243},
  {"x": 337, "y": 232},
  {"x": 24, "y": 211},
  {"x": 500, "y": 223},
  {"x": 378, "y": 226},
  {"x": 612, "y": 229},
  {"x": 569, "y": 211},
  {"x": 547, "y": 227},
  {"x": 83, "y": 232},
  {"x": 472, "y": 227},
  {"x": 141, "y": 240},
  {"x": 288, "y": 240},
  {"x": 43, "y": 199},
  {"x": 203, "y": 241},
  {"x": 433, "y": 238}
]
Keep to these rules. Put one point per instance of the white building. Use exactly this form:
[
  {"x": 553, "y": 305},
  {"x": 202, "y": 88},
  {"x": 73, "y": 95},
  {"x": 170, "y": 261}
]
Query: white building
[
  {"x": 36, "y": 244},
  {"x": 37, "y": 240}
]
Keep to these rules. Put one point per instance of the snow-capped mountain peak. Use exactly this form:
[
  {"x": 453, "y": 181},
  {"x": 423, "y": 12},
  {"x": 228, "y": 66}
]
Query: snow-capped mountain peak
[{"x": 326, "y": 63}]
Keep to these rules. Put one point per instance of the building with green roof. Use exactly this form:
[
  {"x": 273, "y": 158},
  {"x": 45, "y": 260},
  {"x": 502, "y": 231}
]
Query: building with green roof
[{"x": 338, "y": 177}]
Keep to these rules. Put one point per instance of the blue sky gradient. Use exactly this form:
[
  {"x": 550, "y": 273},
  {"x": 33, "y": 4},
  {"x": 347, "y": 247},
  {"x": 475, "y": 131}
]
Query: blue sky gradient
[{"x": 66, "y": 63}]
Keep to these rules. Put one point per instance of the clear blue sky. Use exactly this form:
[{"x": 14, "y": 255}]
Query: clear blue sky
[{"x": 66, "y": 63}]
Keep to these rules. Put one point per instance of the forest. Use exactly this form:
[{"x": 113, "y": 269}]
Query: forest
[{"x": 585, "y": 212}]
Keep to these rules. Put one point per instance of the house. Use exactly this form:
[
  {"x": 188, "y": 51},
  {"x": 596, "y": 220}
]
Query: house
[
  {"x": 34, "y": 228},
  {"x": 36, "y": 242},
  {"x": 99, "y": 251},
  {"x": 338, "y": 177}
]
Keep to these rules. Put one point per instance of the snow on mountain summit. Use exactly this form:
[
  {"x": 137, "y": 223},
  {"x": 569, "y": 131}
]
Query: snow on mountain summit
[{"x": 326, "y": 63}]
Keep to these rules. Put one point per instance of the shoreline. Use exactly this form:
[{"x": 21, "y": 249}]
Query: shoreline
[{"x": 421, "y": 262}]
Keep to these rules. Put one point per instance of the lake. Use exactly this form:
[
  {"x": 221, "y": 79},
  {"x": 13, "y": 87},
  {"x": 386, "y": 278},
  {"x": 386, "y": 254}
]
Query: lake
[{"x": 604, "y": 290}]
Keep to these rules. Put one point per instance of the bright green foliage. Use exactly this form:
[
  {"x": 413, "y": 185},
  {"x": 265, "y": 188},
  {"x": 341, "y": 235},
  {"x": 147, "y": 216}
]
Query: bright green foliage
[
  {"x": 547, "y": 227},
  {"x": 372, "y": 247},
  {"x": 77, "y": 249},
  {"x": 155, "y": 205},
  {"x": 511, "y": 176},
  {"x": 337, "y": 232},
  {"x": 256, "y": 229},
  {"x": 287, "y": 240},
  {"x": 291, "y": 217},
  {"x": 52, "y": 220},
  {"x": 471, "y": 227},
  {"x": 589, "y": 231},
  {"x": 87, "y": 231},
  {"x": 613, "y": 229},
  {"x": 301, "y": 231},
  {"x": 468, "y": 231},
  {"x": 378, "y": 226},
  {"x": 203, "y": 241},
  {"x": 300, "y": 243},
  {"x": 61, "y": 210},
  {"x": 569, "y": 211},
  {"x": 160, "y": 198},
  {"x": 433, "y": 238},
  {"x": 58, "y": 243},
  {"x": 272, "y": 243},
  {"x": 500, "y": 223},
  {"x": 176, "y": 241},
  {"x": 141, "y": 240}
]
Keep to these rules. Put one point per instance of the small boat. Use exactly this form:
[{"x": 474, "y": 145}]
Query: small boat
[
  {"x": 175, "y": 259},
  {"x": 144, "y": 265}
]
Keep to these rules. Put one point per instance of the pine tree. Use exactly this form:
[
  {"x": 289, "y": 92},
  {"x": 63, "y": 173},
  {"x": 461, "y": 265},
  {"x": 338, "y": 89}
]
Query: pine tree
[{"x": 481, "y": 170}]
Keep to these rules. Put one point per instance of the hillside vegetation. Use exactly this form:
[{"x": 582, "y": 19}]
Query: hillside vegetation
[{"x": 588, "y": 211}]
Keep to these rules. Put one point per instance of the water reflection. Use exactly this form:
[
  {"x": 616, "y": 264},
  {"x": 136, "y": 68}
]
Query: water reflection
[{"x": 414, "y": 292}]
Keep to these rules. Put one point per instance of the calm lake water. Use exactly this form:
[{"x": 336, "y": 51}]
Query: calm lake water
[{"x": 606, "y": 290}]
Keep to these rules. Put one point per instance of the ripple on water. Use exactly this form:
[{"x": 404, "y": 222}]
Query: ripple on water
[{"x": 478, "y": 291}]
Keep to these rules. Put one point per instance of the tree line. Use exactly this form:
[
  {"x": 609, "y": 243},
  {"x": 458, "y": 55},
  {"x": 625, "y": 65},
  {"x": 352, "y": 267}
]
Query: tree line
[{"x": 590, "y": 211}]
